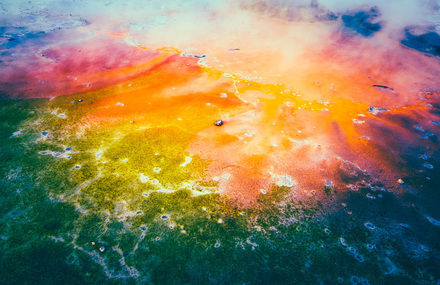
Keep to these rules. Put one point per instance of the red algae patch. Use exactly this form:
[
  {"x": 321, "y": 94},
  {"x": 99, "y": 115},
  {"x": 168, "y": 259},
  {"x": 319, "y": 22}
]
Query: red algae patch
[{"x": 81, "y": 66}]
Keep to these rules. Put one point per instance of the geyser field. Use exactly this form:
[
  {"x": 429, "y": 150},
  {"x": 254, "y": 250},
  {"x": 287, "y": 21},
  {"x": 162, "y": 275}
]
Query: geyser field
[{"x": 220, "y": 142}]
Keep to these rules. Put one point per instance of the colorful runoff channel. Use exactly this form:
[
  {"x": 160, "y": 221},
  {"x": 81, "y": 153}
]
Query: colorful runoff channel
[{"x": 219, "y": 142}]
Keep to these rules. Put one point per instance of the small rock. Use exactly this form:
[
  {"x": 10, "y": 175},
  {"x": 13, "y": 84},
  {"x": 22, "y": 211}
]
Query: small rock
[
  {"x": 376, "y": 110},
  {"x": 328, "y": 183},
  {"x": 218, "y": 123},
  {"x": 382, "y": 86}
]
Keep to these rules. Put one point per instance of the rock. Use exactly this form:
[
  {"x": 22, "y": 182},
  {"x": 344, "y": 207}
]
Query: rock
[
  {"x": 218, "y": 123},
  {"x": 382, "y": 86},
  {"x": 187, "y": 54},
  {"x": 329, "y": 183},
  {"x": 376, "y": 110}
]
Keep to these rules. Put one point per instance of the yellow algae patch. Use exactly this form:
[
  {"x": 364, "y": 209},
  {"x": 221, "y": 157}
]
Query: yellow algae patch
[{"x": 139, "y": 148}]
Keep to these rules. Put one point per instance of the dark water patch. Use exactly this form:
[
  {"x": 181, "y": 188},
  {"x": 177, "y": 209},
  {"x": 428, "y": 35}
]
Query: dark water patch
[
  {"x": 428, "y": 43},
  {"x": 428, "y": 166},
  {"x": 370, "y": 226},
  {"x": 143, "y": 228},
  {"x": 363, "y": 22}
]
